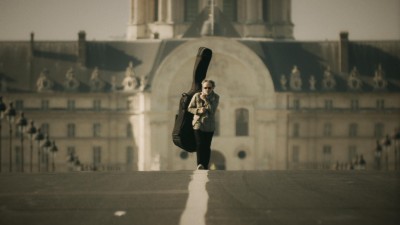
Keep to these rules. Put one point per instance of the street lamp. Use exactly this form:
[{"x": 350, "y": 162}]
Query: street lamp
[
  {"x": 31, "y": 131},
  {"x": 21, "y": 124},
  {"x": 53, "y": 150},
  {"x": 39, "y": 137},
  {"x": 10, "y": 115},
  {"x": 2, "y": 109},
  {"x": 46, "y": 146}
]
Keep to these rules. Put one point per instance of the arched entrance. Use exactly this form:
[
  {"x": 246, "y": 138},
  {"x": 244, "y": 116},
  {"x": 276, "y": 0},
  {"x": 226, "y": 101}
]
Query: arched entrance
[
  {"x": 243, "y": 81},
  {"x": 217, "y": 161}
]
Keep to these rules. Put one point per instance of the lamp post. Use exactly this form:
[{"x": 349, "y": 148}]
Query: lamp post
[
  {"x": 21, "y": 124},
  {"x": 46, "y": 146},
  {"x": 10, "y": 115},
  {"x": 53, "y": 150},
  {"x": 39, "y": 137},
  {"x": 2, "y": 109},
  {"x": 31, "y": 131},
  {"x": 387, "y": 142}
]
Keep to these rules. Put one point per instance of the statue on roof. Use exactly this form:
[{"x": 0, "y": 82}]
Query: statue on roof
[
  {"x": 283, "y": 82},
  {"x": 43, "y": 83},
  {"x": 380, "y": 82},
  {"x": 328, "y": 82},
  {"x": 312, "y": 82},
  {"x": 144, "y": 82},
  {"x": 354, "y": 82},
  {"x": 71, "y": 83},
  {"x": 114, "y": 85},
  {"x": 295, "y": 79},
  {"x": 96, "y": 84},
  {"x": 130, "y": 82}
]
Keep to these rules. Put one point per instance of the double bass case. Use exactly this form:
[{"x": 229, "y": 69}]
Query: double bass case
[{"x": 183, "y": 134}]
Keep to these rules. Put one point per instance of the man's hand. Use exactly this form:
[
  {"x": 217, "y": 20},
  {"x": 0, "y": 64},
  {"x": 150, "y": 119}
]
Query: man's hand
[{"x": 201, "y": 110}]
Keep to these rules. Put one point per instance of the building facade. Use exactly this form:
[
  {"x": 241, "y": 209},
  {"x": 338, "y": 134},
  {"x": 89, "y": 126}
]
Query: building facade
[
  {"x": 284, "y": 104},
  {"x": 175, "y": 18}
]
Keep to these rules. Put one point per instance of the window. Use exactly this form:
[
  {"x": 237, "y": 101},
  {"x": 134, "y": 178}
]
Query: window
[
  {"x": 96, "y": 130},
  {"x": 379, "y": 130},
  {"x": 216, "y": 131},
  {"x": 326, "y": 156},
  {"x": 354, "y": 104},
  {"x": 129, "y": 105},
  {"x": 327, "y": 129},
  {"x": 70, "y": 130},
  {"x": 71, "y": 104},
  {"x": 96, "y": 155},
  {"x": 265, "y": 10},
  {"x": 129, "y": 132},
  {"x": 191, "y": 10},
  {"x": 353, "y": 127},
  {"x": 352, "y": 154},
  {"x": 45, "y": 105},
  {"x": 242, "y": 154},
  {"x": 19, "y": 131},
  {"x": 97, "y": 105},
  {"x": 45, "y": 128},
  {"x": 296, "y": 104},
  {"x": 44, "y": 158},
  {"x": 380, "y": 104},
  {"x": 70, "y": 154},
  {"x": 184, "y": 155},
  {"x": 230, "y": 9},
  {"x": 328, "y": 104},
  {"x": 295, "y": 154},
  {"x": 19, "y": 105},
  {"x": 242, "y": 122},
  {"x": 129, "y": 155},
  {"x": 70, "y": 150},
  {"x": 296, "y": 130}
]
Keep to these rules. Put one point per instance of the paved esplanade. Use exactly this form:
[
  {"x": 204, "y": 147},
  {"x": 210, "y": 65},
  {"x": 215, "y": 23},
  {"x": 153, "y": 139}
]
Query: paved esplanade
[{"x": 201, "y": 197}]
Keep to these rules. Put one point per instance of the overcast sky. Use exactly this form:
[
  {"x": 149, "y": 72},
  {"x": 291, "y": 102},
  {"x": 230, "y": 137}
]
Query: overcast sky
[{"x": 107, "y": 19}]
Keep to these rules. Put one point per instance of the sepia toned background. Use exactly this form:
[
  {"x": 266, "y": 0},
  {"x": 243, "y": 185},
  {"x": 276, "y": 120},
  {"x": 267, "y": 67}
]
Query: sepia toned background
[{"x": 303, "y": 84}]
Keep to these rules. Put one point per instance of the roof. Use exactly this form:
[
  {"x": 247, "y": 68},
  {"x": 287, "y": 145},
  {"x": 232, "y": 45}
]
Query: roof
[{"x": 19, "y": 72}]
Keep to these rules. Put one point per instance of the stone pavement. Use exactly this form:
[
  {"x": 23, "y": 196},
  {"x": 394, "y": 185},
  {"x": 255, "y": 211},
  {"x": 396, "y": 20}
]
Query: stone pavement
[{"x": 201, "y": 197}]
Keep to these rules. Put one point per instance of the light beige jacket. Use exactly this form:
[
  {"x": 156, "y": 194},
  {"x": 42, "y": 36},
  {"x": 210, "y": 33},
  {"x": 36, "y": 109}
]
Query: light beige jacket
[{"x": 206, "y": 121}]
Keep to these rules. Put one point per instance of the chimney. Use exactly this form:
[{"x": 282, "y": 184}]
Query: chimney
[
  {"x": 344, "y": 52},
  {"x": 82, "y": 48},
  {"x": 32, "y": 47},
  {"x": 31, "y": 61}
]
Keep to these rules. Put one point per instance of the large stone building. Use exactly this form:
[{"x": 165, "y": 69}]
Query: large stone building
[{"x": 285, "y": 104}]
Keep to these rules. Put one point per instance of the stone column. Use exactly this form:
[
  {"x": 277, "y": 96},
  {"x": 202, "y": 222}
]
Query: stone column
[
  {"x": 251, "y": 12},
  {"x": 141, "y": 130},
  {"x": 134, "y": 9},
  {"x": 259, "y": 10},
  {"x": 138, "y": 9},
  {"x": 159, "y": 8},
  {"x": 169, "y": 12}
]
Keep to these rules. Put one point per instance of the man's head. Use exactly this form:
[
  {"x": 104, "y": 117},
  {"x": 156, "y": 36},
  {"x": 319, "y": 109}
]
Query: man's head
[{"x": 207, "y": 86}]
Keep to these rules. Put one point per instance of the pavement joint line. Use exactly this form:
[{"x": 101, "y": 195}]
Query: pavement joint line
[
  {"x": 89, "y": 192},
  {"x": 197, "y": 202}
]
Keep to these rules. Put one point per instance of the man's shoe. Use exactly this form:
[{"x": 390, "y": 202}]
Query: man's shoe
[{"x": 200, "y": 167}]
